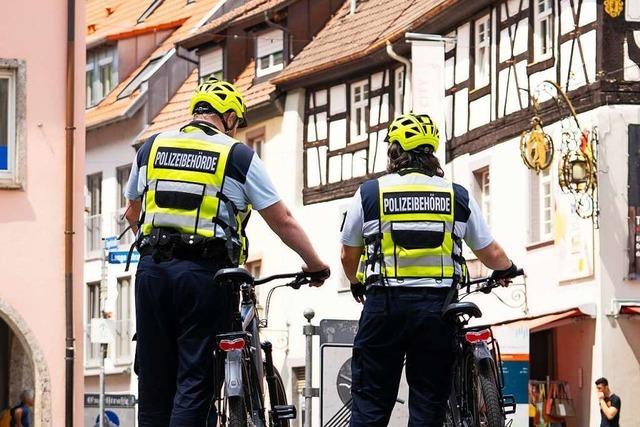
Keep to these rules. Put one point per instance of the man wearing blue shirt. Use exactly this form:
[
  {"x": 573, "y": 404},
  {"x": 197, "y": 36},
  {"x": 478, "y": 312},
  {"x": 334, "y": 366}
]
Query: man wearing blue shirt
[{"x": 190, "y": 194}]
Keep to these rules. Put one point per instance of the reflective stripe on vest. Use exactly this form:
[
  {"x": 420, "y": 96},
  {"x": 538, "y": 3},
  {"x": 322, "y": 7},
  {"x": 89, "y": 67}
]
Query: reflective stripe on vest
[
  {"x": 413, "y": 235},
  {"x": 185, "y": 175}
]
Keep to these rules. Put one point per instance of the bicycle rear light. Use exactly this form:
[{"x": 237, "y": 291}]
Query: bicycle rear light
[
  {"x": 230, "y": 345},
  {"x": 477, "y": 336}
]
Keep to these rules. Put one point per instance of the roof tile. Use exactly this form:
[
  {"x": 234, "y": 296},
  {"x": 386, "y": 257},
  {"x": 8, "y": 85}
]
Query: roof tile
[{"x": 374, "y": 23}]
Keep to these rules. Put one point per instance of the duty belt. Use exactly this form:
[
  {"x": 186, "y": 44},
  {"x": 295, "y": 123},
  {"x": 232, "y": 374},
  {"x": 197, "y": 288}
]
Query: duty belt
[{"x": 164, "y": 244}]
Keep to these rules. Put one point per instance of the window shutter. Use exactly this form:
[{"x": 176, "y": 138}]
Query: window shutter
[
  {"x": 211, "y": 61},
  {"x": 534, "y": 207},
  {"x": 270, "y": 42}
]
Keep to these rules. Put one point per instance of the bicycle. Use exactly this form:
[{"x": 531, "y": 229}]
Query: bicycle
[
  {"x": 239, "y": 354},
  {"x": 476, "y": 398}
]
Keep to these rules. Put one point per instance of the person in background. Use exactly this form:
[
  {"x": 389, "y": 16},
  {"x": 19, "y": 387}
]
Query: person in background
[
  {"x": 20, "y": 413},
  {"x": 610, "y": 404}
]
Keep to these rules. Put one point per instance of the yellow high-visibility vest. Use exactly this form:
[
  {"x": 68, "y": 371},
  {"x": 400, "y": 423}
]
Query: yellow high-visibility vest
[
  {"x": 185, "y": 175},
  {"x": 412, "y": 234}
]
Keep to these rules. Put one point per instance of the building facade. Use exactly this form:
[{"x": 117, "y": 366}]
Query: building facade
[{"x": 33, "y": 104}]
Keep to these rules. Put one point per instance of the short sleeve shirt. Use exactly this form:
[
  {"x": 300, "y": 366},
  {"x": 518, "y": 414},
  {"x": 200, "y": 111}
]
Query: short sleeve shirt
[
  {"x": 612, "y": 401},
  {"x": 474, "y": 230},
  {"x": 246, "y": 183}
]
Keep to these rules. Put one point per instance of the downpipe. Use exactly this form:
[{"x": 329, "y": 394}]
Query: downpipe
[{"x": 68, "y": 213}]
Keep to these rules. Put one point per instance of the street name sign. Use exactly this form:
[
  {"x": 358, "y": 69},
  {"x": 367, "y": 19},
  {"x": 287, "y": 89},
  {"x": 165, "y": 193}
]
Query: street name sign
[{"x": 120, "y": 257}]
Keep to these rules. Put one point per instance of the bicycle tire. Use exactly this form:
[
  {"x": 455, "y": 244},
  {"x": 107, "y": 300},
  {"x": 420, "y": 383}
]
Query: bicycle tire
[
  {"x": 492, "y": 410},
  {"x": 238, "y": 416},
  {"x": 282, "y": 398}
]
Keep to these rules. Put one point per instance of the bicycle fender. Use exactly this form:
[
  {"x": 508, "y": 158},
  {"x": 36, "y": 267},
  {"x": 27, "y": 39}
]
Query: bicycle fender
[
  {"x": 481, "y": 352},
  {"x": 233, "y": 373}
]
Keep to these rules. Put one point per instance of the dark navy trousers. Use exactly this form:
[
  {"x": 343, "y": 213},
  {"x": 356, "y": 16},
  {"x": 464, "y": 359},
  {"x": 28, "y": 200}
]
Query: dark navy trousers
[
  {"x": 404, "y": 323},
  {"x": 179, "y": 311}
]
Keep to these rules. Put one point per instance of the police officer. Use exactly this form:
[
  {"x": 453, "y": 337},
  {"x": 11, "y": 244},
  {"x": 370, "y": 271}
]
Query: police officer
[
  {"x": 189, "y": 194},
  {"x": 402, "y": 240}
]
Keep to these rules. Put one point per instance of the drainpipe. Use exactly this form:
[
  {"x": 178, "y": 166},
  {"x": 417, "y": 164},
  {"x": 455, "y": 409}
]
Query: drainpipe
[
  {"x": 68, "y": 213},
  {"x": 407, "y": 105}
]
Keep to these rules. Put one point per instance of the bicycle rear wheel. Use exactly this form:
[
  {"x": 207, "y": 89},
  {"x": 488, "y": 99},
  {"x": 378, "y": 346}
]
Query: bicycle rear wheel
[{"x": 486, "y": 405}]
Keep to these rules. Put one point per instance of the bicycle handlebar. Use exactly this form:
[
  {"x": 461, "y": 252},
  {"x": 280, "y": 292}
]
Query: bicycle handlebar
[
  {"x": 486, "y": 284},
  {"x": 300, "y": 278}
]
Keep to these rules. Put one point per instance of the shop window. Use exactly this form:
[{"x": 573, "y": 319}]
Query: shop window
[
  {"x": 211, "y": 64},
  {"x": 270, "y": 52},
  {"x": 124, "y": 325},
  {"x": 101, "y": 74},
  {"x": 12, "y": 134},
  {"x": 482, "y": 52},
  {"x": 94, "y": 311},
  {"x": 543, "y": 31},
  {"x": 482, "y": 192}
]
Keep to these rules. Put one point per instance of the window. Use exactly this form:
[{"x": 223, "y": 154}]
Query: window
[
  {"x": 140, "y": 80},
  {"x": 122, "y": 177},
  {"x": 482, "y": 44},
  {"x": 152, "y": 8},
  {"x": 94, "y": 310},
  {"x": 344, "y": 137},
  {"x": 297, "y": 393},
  {"x": 94, "y": 209},
  {"x": 123, "y": 321},
  {"x": 12, "y": 109},
  {"x": 399, "y": 91},
  {"x": 359, "y": 110},
  {"x": 483, "y": 192},
  {"x": 211, "y": 64},
  {"x": 256, "y": 143},
  {"x": 541, "y": 206},
  {"x": 543, "y": 33},
  {"x": 270, "y": 52},
  {"x": 101, "y": 75}
]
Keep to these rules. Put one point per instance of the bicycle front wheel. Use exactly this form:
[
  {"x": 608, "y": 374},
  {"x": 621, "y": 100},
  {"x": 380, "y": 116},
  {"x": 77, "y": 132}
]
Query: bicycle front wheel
[
  {"x": 488, "y": 411},
  {"x": 281, "y": 399}
]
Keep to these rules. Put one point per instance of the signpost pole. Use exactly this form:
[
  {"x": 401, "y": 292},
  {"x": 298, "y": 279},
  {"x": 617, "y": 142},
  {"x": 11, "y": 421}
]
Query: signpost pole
[
  {"x": 309, "y": 393},
  {"x": 103, "y": 351}
]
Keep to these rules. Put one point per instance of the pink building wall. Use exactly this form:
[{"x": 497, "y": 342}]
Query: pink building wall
[{"x": 32, "y": 219}]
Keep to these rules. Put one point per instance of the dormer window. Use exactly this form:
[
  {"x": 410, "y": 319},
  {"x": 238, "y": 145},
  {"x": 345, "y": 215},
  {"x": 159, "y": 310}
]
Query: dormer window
[
  {"x": 101, "y": 74},
  {"x": 269, "y": 52},
  {"x": 211, "y": 64}
]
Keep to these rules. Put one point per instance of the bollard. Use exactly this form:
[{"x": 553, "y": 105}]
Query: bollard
[{"x": 309, "y": 392}]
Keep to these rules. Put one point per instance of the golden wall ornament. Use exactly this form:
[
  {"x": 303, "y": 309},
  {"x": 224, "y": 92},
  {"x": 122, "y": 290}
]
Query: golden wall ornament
[
  {"x": 578, "y": 170},
  {"x": 613, "y": 7},
  {"x": 536, "y": 147}
]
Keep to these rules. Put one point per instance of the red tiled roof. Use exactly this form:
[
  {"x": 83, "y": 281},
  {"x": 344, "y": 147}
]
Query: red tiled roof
[
  {"x": 176, "y": 112},
  {"x": 239, "y": 14},
  {"x": 107, "y": 17},
  {"x": 349, "y": 37},
  {"x": 111, "y": 107}
]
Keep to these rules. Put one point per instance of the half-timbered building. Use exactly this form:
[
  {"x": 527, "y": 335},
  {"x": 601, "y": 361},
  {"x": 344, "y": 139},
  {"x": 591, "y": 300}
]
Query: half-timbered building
[{"x": 515, "y": 71}]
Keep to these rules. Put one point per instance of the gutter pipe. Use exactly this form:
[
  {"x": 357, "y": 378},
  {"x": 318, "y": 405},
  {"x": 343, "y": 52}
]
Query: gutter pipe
[
  {"x": 407, "y": 105},
  {"x": 68, "y": 213}
]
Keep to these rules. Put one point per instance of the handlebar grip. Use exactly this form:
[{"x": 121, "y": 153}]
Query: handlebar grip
[{"x": 318, "y": 275}]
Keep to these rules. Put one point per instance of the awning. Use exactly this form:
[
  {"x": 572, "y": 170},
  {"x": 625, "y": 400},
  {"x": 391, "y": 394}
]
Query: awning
[
  {"x": 545, "y": 321},
  {"x": 630, "y": 309}
]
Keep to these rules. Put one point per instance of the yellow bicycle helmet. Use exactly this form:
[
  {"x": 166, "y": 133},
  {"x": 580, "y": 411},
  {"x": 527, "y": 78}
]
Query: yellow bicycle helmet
[
  {"x": 222, "y": 97},
  {"x": 414, "y": 130}
]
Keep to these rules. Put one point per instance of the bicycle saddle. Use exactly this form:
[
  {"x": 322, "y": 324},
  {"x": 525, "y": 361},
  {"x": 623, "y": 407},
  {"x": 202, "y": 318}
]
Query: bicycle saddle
[
  {"x": 233, "y": 275},
  {"x": 458, "y": 308}
]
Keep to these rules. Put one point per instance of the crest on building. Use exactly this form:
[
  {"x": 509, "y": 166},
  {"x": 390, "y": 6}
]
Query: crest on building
[
  {"x": 536, "y": 147},
  {"x": 613, "y": 7}
]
